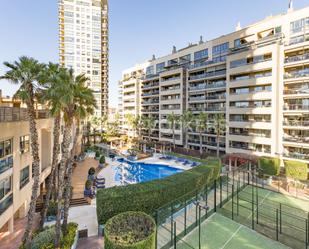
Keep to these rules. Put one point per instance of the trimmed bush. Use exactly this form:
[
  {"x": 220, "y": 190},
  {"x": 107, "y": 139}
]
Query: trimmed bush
[
  {"x": 149, "y": 196},
  {"x": 130, "y": 230},
  {"x": 97, "y": 154},
  {"x": 102, "y": 160},
  {"x": 296, "y": 170},
  {"x": 88, "y": 184},
  {"x": 269, "y": 165},
  {"x": 68, "y": 240},
  {"x": 44, "y": 239},
  {"x": 91, "y": 171}
]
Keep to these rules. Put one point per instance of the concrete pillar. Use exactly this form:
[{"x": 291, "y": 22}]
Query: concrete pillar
[
  {"x": 230, "y": 164},
  {"x": 11, "y": 225}
]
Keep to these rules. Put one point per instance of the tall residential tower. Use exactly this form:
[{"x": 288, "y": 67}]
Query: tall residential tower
[{"x": 83, "y": 44}]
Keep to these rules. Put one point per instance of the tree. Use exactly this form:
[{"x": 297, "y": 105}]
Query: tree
[
  {"x": 76, "y": 101},
  {"x": 173, "y": 121},
  {"x": 186, "y": 121},
  {"x": 219, "y": 126},
  {"x": 50, "y": 97},
  {"x": 149, "y": 123},
  {"x": 130, "y": 120},
  {"x": 201, "y": 127},
  {"x": 26, "y": 73}
]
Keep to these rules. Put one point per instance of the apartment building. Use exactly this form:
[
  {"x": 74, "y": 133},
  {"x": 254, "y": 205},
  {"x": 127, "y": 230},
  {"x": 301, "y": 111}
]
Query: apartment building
[
  {"x": 83, "y": 44},
  {"x": 16, "y": 161},
  {"x": 257, "y": 76},
  {"x": 129, "y": 101}
]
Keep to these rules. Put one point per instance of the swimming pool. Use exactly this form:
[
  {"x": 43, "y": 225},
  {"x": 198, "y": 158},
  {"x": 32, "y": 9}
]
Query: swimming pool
[{"x": 135, "y": 172}]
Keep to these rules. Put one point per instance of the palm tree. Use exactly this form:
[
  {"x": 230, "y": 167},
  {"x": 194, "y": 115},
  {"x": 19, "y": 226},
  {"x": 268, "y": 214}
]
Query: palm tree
[
  {"x": 201, "y": 127},
  {"x": 130, "y": 120},
  {"x": 85, "y": 103},
  {"x": 74, "y": 98},
  {"x": 149, "y": 124},
  {"x": 51, "y": 98},
  {"x": 186, "y": 121},
  {"x": 173, "y": 121},
  {"x": 219, "y": 126},
  {"x": 26, "y": 73}
]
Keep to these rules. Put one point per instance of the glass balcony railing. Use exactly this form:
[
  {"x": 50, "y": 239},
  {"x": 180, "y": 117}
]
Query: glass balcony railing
[
  {"x": 208, "y": 86},
  {"x": 170, "y": 79},
  {"x": 199, "y": 98},
  {"x": 297, "y": 58},
  {"x": 300, "y": 90},
  {"x": 297, "y": 74},
  {"x": 6, "y": 203},
  {"x": 297, "y": 155},
  {"x": 150, "y": 94},
  {"x": 150, "y": 85},
  {"x": 296, "y": 107},
  {"x": 206, "y": 75},
  {"x": 295, "y": 139},
  {"x": 304, "y": 123}
]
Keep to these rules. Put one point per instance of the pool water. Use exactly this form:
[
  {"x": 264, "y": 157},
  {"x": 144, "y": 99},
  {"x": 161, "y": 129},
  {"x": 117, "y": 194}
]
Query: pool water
[{"x": 135, "y": 172}]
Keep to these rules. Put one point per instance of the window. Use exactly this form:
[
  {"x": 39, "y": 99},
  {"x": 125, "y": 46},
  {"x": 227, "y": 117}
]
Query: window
[
  {"x": 24, "y": 144},
  {"x": 150, "y": 70},
  {"x": 201, "y": 54},
  {"x": 160, "y": 67},
  {"x": 24, "y": 177},
  {"x": 6, "y": 148},
  {"x": 5, "y": 187}
]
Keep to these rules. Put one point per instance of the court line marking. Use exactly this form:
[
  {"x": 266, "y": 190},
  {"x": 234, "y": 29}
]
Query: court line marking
[{"x": 233, "y": 235}]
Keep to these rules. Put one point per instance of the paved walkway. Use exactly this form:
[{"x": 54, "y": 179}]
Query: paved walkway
[{"x": 13, "y": 240}]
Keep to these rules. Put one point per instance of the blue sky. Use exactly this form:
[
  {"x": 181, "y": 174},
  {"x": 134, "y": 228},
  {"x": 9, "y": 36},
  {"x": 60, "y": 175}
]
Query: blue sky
[{"x": 138, "y": 28}]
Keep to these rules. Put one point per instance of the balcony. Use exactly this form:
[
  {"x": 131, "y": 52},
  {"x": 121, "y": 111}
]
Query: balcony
[
  {"x": 297, "y": 155},
  {"x": 199, "y": 98},
  {"x": 297, "y": 74},
  {"x": 6, "y": 203},
  {"x": 299, "y": 91},
  {"x": 150, "y": 93},
  {"x": 14, "y": 114},
  {"x": 297, "y": 58},
  {"x": 170, "y": 79},
  {"x": 150, "y": 102},
  {"x": 221, "y": 84},
  {"x": 203, "y": 64},
  {"x": 150, "y": 86},
  {"x": 295, "y": 139},
  {"x": 296, "y": 107},
  {"x": 207, "y": 75},
  {"x": 296, "y": 123}
]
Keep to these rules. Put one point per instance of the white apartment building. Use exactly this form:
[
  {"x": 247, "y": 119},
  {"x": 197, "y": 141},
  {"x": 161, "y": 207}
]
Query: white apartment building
[
  {"x": 83, "y": 44},
  {"x": 257, "y": 76}
]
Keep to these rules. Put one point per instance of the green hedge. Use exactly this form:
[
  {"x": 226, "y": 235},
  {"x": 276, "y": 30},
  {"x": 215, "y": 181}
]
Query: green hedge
[
  {"x": 130, "y": 230},
  {"x": 296, "y": 170},
  {"x": 149, "y": 196},
  {"x": 270, "y": 165}
]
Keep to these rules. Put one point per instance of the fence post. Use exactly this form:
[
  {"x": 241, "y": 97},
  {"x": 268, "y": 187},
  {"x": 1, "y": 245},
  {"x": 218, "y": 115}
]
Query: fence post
[
  {"x": 199, "y": 228},
  {"x": 227, "y": 186},
  {"x": 237, "y": 201},
  {"x": 257, "y": 204},
  {"x": 307, "y": 235},
  {"x": 252, "y": 197},
  {"x": 233, "y": 176},
  {"x": 175, "y": 236},
  {"x": 206, "y": 194},
  {"x": 215, "y": 199},
  {"x": 185, "y": 221},
  {"x": 220, "y": 192},
  {"x": 232, "y": 202},
  {"x": 157, "y": 223},
  {"x": 196, "y": 208},
  {"x": 172, "y": 222},
  {"x": 280, "y": 217},
  {"x": 277, "y": 225}
]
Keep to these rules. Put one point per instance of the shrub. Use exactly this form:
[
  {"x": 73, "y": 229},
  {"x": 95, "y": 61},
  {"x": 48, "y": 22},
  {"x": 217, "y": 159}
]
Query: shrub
[
  {"x": 269, "y": 165},
  {"x": 52, "y": 209},
  {"x": 97, "y": 154},
  {"x": 88, "y": 184},
  {"x": 130, "y": 230},
  {"x": 91, "y": 171},
  {"x": 68, "y": 240},
  {"x": 149, "y": 196},
  {"x": 296, "y": 170},
  {"x": 102, "y": 160},
  {"x": 44, "y": 239}
]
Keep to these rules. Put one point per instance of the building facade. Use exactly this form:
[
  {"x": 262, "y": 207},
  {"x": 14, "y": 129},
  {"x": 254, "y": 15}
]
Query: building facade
[
  {"x": 83, "y": 44},
  {"x": 257, "y": 77},
  {"x": 16, "y": 160}
]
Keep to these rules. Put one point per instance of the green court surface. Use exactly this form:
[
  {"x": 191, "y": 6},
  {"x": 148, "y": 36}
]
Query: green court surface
[{"x": 219, "y": 232}]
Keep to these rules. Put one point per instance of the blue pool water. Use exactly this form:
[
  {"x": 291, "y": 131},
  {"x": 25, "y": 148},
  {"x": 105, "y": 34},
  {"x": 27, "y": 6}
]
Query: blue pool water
[{"x": 136, "y": 172}]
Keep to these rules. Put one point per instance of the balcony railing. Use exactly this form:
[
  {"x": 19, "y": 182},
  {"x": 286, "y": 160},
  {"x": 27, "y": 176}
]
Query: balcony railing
[
  {"x": 297, "y": 91},
  {"x": 206, "y": 75},
  {"x": 297, "y": 155},
  {"x": 150, "y": 85},
  {"x": 6, "y": 203},
  {"x": 170, "y": 79},
  {"x": 150, "y": 102},
  {"x": 150, "y": 94},
  {"x": 296, "y": 123},
  {"x": 208, "y": 86},
  {"x": 295, "y": 139},
  {"x": 13, "y": 114},
  {"x": 200, "y": 98},
  {"x": 297, "y": 74},
  {"x": 296, "y": 107},
  {"x": 297, "y": 58}
]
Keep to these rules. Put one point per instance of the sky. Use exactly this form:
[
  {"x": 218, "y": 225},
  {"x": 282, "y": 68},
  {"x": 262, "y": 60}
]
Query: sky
[{"x": 138, "y": 28}]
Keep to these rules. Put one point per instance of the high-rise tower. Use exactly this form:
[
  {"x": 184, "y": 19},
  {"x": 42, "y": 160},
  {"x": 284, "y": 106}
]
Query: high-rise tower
[{"x": 83, "y": 44}]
